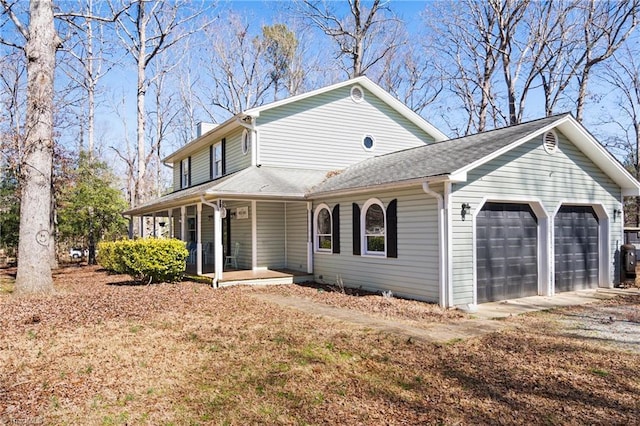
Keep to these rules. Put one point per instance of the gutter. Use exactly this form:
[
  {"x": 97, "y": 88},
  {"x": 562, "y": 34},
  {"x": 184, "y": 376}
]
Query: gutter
[
  {"x": 442, "y": 243},
  {"x": 380, "y": 187}
]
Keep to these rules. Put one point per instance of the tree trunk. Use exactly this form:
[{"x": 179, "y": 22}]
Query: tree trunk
[
  {"x": 34, "y": 267},
  {"x": 142, "y": 89}
]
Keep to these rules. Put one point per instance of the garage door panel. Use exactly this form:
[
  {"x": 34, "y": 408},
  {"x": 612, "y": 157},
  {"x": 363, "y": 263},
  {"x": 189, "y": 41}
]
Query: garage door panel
[
  {"x": 576, "y": 241},
  {"x": 507, "y": 252}
]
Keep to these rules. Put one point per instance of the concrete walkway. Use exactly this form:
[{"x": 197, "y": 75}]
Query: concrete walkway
[
  {"x": 507, "y": 308},
  {"x": 485, "y": 320}
]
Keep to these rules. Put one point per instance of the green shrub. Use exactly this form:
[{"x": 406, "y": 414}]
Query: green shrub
[{"x": 146, "y": 259}]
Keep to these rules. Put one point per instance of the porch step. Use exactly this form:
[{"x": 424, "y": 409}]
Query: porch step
[{"x": 267, "y": 281}]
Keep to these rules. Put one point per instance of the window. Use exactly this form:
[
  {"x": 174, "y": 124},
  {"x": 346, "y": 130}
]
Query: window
[
  {"x": 357, "y": 94},
  {"x": 326, "y": 228},
  {"x": 185, "y": 173},
  {"x": 191, "y": 229},
  {"x": 216, "y": 160},
  {"x": 374, "y": 228},
  {"x": 323, "y": 239},
  {"x": 246, "y": 141},
  {"x": 368, "y": 143}
]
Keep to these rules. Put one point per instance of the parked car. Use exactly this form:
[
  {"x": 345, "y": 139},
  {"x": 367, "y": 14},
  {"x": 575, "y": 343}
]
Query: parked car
[{"x": 77, "y": 253}]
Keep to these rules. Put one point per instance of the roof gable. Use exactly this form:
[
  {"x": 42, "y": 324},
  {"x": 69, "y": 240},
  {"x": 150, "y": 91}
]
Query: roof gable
[{"x": 453, "y": 159}]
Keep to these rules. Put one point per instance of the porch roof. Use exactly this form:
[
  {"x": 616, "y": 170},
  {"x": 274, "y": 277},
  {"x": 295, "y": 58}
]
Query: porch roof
[{"x": 251, "y": 183}]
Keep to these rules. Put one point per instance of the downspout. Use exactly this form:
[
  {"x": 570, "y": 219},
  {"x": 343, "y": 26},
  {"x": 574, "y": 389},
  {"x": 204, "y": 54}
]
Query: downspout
[
  {"x": 442, "y": 243},
  {"x": 449, "y": 240},
  {"x": 217, "y": 241}
]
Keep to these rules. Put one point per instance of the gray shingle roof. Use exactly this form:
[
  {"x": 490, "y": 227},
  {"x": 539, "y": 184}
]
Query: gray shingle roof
[
  {"x": 254, "y": 182},
  {"x": 435, "y": 159}
]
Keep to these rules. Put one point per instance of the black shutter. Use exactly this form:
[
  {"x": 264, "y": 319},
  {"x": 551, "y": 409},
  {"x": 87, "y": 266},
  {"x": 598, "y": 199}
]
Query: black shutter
[
  {"x": 335, "y": 228},
  {"x": 224, "y": 156},
  {"x": 228, "y": 242},
  {"x": 189, "y": 179},
  {"x": 392, "y": 229},
  {"x": 181, "y": 185},
  {"x": 211, "y": 164},
  {"x": 356, "y": 229}
]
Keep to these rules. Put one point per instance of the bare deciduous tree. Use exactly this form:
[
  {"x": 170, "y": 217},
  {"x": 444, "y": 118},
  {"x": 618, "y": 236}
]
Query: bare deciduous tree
[
  {"x": 365, "y": 36},
  {"x": 36, "y": 162}
]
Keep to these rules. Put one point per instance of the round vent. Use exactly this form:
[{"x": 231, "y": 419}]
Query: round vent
[
  {"x": 550, "y": 142},
  {"x": 246, "y": 141},
  {"x": 357, "y": 94}
]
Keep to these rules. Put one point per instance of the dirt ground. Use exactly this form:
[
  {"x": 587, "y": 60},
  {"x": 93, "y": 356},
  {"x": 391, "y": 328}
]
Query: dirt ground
[{"x": 105, "y": 351}]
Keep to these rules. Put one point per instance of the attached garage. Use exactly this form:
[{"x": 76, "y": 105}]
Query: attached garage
[
  {"x": 507, "y": 252},
  {"x": 576, "y": 243}
]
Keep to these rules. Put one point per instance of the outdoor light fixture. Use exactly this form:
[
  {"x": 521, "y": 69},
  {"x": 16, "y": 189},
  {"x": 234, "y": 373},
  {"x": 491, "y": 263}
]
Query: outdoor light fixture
[
  {"x": 465, "y": 210},
  {"x": 616, "y": 212},
  {"x": 162, "y": 224}
]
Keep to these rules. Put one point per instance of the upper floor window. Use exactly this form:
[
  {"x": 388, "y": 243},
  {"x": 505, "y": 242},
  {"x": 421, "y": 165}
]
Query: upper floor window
[
  {"x": 374, "y": 228},
  {"x": 246, "y": 141},
  {"x": 216, "y": 160},
  {"x": 185, "y": 173}
]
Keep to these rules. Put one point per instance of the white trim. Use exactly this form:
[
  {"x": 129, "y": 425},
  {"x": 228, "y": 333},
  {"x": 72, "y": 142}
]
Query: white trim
[
  {"x": 199, "y": 238},
  {"x": 449, "y": 231},
  {"x": 254, "y": 236},
  {"x": 544, "y": 240},
  {"x": 373, "y": 142},
  {"x": 286, "y": 256},
  {"x": 363, "y": 228},
  {"x": 316, "y": 245},
  {"x": 183, "y": 222},
  {"x": 583, "y": 140},
  {"x": 309, "y": 238},
  {"x": 442, "y": 243},
  {"x": 604, "y": 240}
]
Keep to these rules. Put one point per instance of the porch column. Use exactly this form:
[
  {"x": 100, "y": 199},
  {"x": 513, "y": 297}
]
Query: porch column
[
  {"x": 154, "y": 225},
  {"x": 131, "y": 227},
  {"x": 254, "y": 236},
  {"x": 309, "y": 238},
  {"x": 142, "y": 226},
  {"x": 199, "y": 239},
  {"x": 170, "y": 220},
  {"x": 183, "y": 222},
  {"x": 217, "y": 244}
]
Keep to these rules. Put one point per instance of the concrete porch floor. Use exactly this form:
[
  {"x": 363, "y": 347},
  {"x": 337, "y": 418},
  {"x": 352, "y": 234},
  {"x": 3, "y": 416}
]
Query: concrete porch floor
[{"x": 506, "y": 308}]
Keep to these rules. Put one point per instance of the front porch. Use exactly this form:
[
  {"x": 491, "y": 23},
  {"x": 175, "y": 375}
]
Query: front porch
[{"x": 260, "y": 277}]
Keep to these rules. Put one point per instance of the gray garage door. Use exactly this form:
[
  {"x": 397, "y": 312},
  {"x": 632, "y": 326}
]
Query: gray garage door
[
  {"x": 576, "y": 248},
  {"x": 507, "y": 252}
]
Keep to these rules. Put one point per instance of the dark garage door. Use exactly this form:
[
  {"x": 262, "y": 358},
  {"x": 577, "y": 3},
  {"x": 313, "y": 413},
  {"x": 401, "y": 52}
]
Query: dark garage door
[
  {"x": 576, "y": 248},
  {"x": 507, "y": 252}
]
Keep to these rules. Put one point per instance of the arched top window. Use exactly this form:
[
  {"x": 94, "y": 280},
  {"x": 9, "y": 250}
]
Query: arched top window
[
  {"x": 326, "y": 229},
  {"x": 374, "y": 228},
  {"x": 322, "y": 222}
]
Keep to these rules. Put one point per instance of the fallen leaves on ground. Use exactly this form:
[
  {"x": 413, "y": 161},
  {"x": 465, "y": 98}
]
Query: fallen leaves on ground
[{"x": 105, "y": 351}]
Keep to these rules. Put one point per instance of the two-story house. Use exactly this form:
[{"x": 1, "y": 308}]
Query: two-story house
[{"x": 348, "y": 182}]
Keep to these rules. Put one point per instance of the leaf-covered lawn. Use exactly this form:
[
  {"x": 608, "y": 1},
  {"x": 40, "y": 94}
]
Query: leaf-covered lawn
[{"x": 102, "y": 351}]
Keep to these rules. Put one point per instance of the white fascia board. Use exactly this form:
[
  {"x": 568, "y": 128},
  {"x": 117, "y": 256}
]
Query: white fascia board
[
  {"x": 197, "y": 143},
  {"x": 507, "y": 148},
  {"x": 600, "y": 156}
]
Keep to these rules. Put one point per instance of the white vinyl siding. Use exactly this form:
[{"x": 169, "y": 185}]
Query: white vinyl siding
[
  {"x": 235, "y": 160},
  {"x": 414, "y": 273},
  {"x": 296, "y": 214},
  {"x": 326, "y": 131},
  {"x": 270, "y": 235},
  {"x": 241, "y": 232},
  {"x": 528, "y": 172}
]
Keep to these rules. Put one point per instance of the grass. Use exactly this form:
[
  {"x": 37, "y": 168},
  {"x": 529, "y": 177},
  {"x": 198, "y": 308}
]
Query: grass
[{"x": 110, "y": 354}]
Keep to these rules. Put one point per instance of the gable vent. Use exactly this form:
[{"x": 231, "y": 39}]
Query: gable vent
[
  {"x": 357, "y": 94},
  {"x": 550, "y": 142}
]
